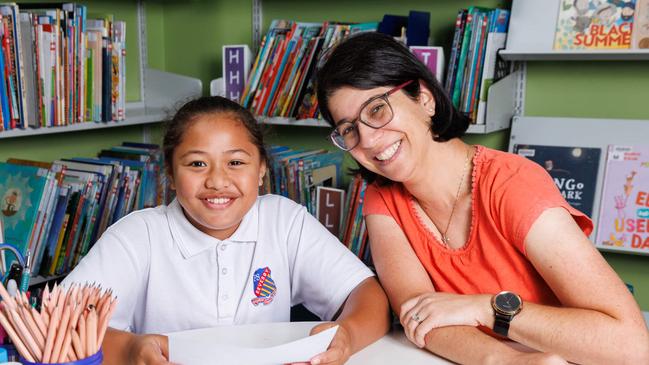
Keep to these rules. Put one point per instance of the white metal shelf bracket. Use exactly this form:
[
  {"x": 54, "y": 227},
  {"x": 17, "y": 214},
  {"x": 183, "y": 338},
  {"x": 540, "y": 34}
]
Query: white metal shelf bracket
[{"x": 256, "y": 25}]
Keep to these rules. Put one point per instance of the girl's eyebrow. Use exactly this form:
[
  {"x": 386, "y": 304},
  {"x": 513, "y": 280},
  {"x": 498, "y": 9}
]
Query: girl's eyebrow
[
  {"x": 201, "y": 152},
  {"x": 238, "y": 150},
  {"x": 192, "y": 152}
]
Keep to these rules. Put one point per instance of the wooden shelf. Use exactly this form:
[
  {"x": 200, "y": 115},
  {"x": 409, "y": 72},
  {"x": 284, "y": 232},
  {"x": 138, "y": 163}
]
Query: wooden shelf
[{"x": 163, "y": 92}]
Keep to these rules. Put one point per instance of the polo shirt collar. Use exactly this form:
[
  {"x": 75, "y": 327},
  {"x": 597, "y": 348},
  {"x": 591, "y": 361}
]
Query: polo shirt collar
[{"x": 192, "y": 241}]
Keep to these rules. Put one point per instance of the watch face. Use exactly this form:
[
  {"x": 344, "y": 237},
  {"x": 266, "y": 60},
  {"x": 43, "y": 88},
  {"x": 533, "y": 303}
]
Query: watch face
[{"x": 508, "y": 302}]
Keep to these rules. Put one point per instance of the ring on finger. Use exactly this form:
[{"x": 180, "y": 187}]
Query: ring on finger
[{"x": 415, "y": 317}]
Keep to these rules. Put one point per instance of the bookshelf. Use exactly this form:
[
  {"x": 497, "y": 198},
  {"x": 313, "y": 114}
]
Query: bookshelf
[
  {"x": 501, "y": 108},
  {"x": 566, "y": 131},
  {"x": 162, "y": 90},
  {"x": 531, "y": 37},
  {"x": 159, "y": 93},
  {"x": 504, "y": 96}
]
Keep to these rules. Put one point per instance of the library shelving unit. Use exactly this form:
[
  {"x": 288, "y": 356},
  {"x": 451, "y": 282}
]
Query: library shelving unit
[
  {"x": 504, "y": 96},
  {"x": 551, "y": 131},
  {"x": 531, "y": 37},
  {"x": 501, "y": 106},
  {"x": 162, "y": 91}
]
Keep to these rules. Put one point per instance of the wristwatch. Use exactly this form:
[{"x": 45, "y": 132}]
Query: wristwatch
[{"x": 506, "y": 305}]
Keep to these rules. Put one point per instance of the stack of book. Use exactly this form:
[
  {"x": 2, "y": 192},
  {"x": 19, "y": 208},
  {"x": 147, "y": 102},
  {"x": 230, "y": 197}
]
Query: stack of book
[
  {"x": 57, "y": 210},
  {"x": 296, "y": 173},
  {"x": 281, "y": 82},
  {"x": 479, "y": 34},
  {"x": 60, "y": 68},
  {"x": 354, "y": 233}
]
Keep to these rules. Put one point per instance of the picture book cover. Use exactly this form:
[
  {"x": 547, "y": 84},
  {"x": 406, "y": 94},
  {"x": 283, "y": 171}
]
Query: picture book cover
[
  {"x": 624, "y": 213},
  {"x": 588, "y": 24},
  {"x": 21, "y": 190},
  {"x": 640, "y": 34},
  {"x": 573, "y": 169}
]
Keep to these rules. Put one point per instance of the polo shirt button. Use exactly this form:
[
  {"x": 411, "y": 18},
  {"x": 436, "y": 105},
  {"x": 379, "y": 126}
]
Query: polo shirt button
[
  {"x": 224, "y": 271},
  {"x": 224, "y": 297},
  {"x": 223, "y": 247}
]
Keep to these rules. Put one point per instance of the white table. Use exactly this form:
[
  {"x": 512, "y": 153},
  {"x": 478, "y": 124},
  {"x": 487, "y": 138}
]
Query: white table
[{"x": 393, "y": 348}]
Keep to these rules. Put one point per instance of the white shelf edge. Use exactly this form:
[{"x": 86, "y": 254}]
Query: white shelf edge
[
  {"x": 163, "y": 91},
  {"x": 576, "y": 55},
  {"x": 500, "y": 106},
  {"x": 311, "y": 122},
  {"x": 142, "y": 118},
  {"x": 613, "y": 249}
]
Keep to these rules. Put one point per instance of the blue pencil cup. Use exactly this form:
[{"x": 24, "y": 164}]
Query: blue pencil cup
[{"x": 95, "y": 359}]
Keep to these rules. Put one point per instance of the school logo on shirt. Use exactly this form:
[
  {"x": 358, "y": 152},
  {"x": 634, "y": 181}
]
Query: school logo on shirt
[{"x": 263, "y": 286}]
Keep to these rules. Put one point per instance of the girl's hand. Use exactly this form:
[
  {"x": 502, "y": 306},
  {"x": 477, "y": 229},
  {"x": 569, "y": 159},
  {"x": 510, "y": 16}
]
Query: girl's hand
[
  {"x": 421, "y": 314},
  {"x": 149, "y": 350},
  {"x": 339, "y": 350}
]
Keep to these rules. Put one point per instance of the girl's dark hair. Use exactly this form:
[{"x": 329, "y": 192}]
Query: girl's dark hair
[
  {"x": 189, "y": 113},
  {"x": 369, "y": 60}
]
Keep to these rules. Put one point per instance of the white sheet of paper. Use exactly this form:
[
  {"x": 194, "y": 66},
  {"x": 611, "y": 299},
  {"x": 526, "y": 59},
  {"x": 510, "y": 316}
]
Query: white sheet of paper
[{"x": 187, "y": 348}]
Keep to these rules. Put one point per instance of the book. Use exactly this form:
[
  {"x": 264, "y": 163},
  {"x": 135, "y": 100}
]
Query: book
[
  {"x": 330, "y": 208},
  {"x": 624, "y": 210},
  {"x": 21, "y": 191},
  {"x": 640, "y": 34},
  {"x": 495, "y": 41},
  {"x": 573, "y": 170},
  {"x": 432, "y": 57},
  {"x": 587, "y": 24},
  {"x": 418, "y": 28},
  {"x": 236, "y": 65},
  {"x": 456, "y": 46}
]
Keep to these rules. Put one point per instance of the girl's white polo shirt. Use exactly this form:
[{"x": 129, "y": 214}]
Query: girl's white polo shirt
[{"x": 169, "y": 276}]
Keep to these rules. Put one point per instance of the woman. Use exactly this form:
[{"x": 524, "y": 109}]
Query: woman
[{"x": 471, "y": 244}]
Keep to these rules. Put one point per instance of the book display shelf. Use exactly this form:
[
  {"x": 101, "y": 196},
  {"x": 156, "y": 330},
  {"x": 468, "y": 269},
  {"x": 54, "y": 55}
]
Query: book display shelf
[
  {"x": 532, "y": 31},
  {"x": 531, "y": 37},
  {"x": 160, "y": 91},
  {"x": 582, "y": 132},
  {"x": 504, "y": 98}
]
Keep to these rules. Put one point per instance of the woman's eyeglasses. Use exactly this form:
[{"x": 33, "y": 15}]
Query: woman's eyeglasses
[{"x": 376, "y": 112}]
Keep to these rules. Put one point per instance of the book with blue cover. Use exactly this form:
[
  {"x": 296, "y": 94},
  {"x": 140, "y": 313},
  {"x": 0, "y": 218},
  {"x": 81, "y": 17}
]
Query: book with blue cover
[
  {"x": 573, "y": 169},
  {"x": 21, "y": 191}
]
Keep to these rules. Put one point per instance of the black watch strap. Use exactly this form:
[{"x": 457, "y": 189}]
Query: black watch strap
[{"x": 501, "y": 324}]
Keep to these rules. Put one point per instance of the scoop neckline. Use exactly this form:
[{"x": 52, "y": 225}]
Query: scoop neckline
[{"x": 429, "y": 234}]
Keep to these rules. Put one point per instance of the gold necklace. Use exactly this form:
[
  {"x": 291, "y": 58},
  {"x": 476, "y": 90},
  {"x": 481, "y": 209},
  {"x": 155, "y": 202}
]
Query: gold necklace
[{"x": 445, "y": 238}]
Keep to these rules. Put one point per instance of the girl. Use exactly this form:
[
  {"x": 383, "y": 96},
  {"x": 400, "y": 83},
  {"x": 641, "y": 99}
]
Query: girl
[
  {"x": 220, "y": 254},
  {"x": 464, "y": 236}
]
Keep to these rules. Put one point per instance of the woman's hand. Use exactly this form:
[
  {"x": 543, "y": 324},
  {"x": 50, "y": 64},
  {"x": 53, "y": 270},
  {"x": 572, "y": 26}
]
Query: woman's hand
[
  {"x": 421, "y": 314},
  {"x": 149, "y": 350},
  {"x": 339, "y": 350}
]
